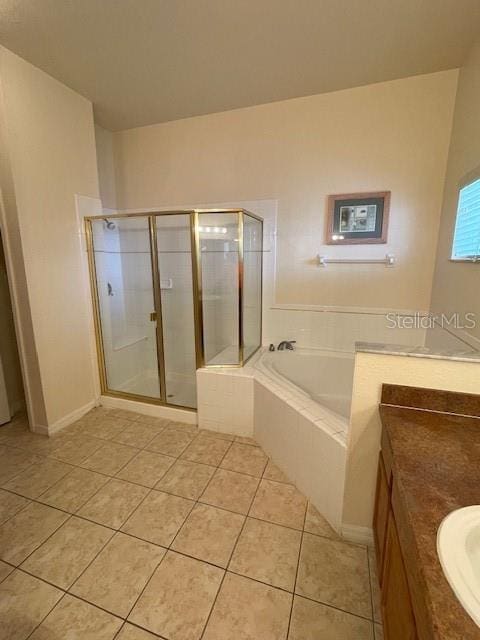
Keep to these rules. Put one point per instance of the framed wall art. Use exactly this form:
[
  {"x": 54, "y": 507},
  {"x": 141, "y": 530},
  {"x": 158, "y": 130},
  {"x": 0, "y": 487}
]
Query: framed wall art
[{"x": 358, "y": 218}]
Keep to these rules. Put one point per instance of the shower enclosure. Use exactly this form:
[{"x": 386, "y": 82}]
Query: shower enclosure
[{"x": 172, "y": 292}]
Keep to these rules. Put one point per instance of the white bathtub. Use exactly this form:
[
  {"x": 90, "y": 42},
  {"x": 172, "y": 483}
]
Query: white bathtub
[
  {"x": 296, "y": 404},
  {"x": 301, "y": 419},
  {"x": 324, "y": 376}
]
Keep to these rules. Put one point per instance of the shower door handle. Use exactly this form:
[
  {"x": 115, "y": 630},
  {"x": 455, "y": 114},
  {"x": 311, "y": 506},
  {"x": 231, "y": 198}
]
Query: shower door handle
[{"x": 153, "y": 316}]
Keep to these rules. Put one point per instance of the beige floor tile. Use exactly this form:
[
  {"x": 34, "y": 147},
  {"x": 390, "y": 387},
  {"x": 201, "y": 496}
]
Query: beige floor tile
[
  {"x": 186, "y": 479},
  {"x": 267, "y": 552},
  {"x": 152, "y": 420},
  {"x": 113, "y": 503},
  {"x": 376, "y": 595},
  {"x": 378, "y": 629},
  {"x": 246, "y": 440},
  {"x": 98, "y": 413},
  {"x": 248, "y": 610},
  {"x": 279, "y": 503},
  {"x": 178, "y": 598},
  {"x": 191, "y": 429},
  {"x": 5, "y": 570},
  {"x": 311, "y": 621},
  {"x": 21, "y": 437},
  {"x": 68, "y": 552},
  {"x": 38, "y": 478},
  {"x": 107, "y": 428},
  {"x": 206, "y": 450},
  {"x": 335, "y": 573},
  {"x": 14, "y": 461},
  {"x": 110, "y": 458},
  {"x": 317, "y": 524},
  {"x": 230, "y": 490},
  {"x": 245, "y": 459},
  {"x": 158, "y": 518},
  {"x": 24, "y": 602},
  {"x": 170, "y": 442},
  {"x": 129, "y": 632},
  {"x": 209, "y": 534},
  {"x": 77, "y": 449},
  {"x": 77, "y": 620},
  {"x": 126, "y": 415},
  {"x": 10, "y": 504},
  {"x": 147, "y": 468},
  {"x": 11, "y": 429},
  {"x": 137, "y": 434},
  {"x": 35, "y": 443},
  {"x": 272, "y": 472},
  {"x": 72, "y": 491},
  {"x": 216, "y": 434},
  {"x": 118, "y": 574},
  {"x": 27, "y": 530}
]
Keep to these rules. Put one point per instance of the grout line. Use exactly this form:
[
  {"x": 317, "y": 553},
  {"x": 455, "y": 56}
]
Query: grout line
[
  {"x": 46, "y": 616},
  {"x": 297, "y": 569}
]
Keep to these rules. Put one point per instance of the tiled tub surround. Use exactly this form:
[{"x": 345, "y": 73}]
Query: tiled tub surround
[
  {"x": 272, "y": 398},
  {"x": 129, "y": 527}
]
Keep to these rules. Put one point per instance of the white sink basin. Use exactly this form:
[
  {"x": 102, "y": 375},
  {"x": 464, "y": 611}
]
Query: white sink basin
[{"x": 458, "y": 547}]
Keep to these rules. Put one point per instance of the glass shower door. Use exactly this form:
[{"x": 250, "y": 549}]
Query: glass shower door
[
  {"x": 174, "y": 251},
  {"x": 123, "y": 275},
  {"x": 252, "y": 284}
]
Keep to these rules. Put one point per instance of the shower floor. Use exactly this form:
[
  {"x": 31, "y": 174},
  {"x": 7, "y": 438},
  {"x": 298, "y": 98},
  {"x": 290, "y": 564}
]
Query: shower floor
[{"x": 179, "y": 392}]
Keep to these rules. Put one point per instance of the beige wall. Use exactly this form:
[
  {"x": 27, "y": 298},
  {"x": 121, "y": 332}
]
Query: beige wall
[
  {"x": 48, "y": 133},
  {"x": 388, "y": 136},
  {"x": 106, "y": 168},
  {"x": 371, "y": 371},
  {"x": 456, "y": 284}
]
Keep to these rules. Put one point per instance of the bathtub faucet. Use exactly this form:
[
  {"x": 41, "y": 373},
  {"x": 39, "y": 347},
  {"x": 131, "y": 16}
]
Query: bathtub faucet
[{"x": 286, "y": 344}]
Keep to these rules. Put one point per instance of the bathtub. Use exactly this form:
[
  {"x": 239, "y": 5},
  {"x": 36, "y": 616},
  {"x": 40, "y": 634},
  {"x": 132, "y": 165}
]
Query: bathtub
[
  {"x": 326, "y": 377},
  {"x": 301, "y": 419},
  {"x": 296, "y": 404}
]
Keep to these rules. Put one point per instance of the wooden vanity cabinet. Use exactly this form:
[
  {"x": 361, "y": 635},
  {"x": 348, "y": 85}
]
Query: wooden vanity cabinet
[
  {"x": 397, "y": 611},
  {"x": 382, "y": 508}
]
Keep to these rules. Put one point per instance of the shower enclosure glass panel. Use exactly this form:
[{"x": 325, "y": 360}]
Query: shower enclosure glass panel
[
  {"x": 174, "y": 250},
  {"x": 219, "y": 245},
  {"x": 252, "y": 285},
  {"x": 173, "y": 291},
  {"x": 123, "y": 273}
]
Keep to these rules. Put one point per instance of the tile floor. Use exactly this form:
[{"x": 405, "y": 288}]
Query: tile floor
[{"x": 135, "y": 528}]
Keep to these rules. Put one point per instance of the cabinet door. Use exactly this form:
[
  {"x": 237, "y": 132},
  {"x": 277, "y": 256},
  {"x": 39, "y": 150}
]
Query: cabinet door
[
  {"x": 382, "y": 507},
  {"x": 397, "y": 612}
]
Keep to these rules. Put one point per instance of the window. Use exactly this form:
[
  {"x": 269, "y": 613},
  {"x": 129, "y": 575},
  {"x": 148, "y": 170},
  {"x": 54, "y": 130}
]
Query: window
[{"x": 466, "y": 241}]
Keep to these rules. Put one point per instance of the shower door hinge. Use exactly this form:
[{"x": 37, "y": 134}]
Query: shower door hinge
[{"x": 153, "y": 316}]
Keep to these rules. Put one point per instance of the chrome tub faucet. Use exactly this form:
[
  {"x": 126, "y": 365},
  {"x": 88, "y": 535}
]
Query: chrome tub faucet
[{"x": 286, "y": 344}]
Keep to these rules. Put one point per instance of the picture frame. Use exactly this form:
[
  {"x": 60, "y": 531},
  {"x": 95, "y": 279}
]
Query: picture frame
[{"x": 358, "y": 218}]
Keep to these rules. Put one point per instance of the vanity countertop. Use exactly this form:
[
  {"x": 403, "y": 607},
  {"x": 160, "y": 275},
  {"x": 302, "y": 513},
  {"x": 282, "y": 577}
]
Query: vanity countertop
[{"x": 435, "y": 459}]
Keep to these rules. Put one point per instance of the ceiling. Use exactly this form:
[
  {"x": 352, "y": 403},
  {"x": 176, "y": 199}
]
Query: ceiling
[{"x": 147, "y": 61}]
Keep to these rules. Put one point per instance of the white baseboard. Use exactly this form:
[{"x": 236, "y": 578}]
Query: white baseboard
[
  {"x": 155, "y": 410},
  {"x": 66, "y": 420},
  {"x": 358, "y": 535}
]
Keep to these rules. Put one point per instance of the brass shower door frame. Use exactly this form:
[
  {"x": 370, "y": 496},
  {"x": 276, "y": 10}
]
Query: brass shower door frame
[{"x": 196, "y": 261}]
